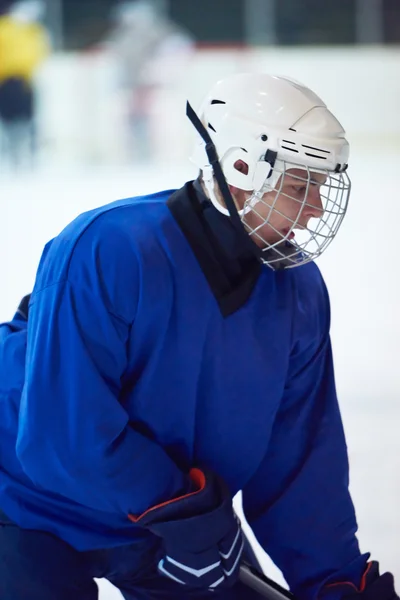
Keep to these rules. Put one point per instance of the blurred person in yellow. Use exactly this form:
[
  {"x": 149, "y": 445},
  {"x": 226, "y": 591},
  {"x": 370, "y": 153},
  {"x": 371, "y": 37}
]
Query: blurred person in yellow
[{"x": 24, "y": 45}]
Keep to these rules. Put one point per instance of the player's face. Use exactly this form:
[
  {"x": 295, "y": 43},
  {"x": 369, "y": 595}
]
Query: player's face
[{"x": 274, "y": 216}]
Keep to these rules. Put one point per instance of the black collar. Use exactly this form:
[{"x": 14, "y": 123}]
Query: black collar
[{"x": 231, "y": 269}]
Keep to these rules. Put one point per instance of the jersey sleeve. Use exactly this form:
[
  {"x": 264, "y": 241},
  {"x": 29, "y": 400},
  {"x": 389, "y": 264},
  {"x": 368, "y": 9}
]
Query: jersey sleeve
[
  {"x": 75, "y": 437},
  {"x": 298, "y": 502}
]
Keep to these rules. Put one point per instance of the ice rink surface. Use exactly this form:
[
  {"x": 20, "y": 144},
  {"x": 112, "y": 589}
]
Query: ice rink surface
[{"x": 362, "y": 273}]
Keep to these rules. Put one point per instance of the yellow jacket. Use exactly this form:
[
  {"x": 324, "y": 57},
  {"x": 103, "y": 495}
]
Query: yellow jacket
[{"x": 23, "y": 46}]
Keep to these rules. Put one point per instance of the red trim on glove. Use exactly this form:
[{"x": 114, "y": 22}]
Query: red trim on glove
[
  {"x": 197, "y": 477},
  {"x": 362, "y": 584}
]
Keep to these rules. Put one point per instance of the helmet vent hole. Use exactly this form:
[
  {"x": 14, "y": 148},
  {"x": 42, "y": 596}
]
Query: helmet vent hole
[
  {"x": 315, "y": 156},
  {"x": 217, "y": 102},
  {"x": 317, "y": 149},
  {"x": 211, "y": 127},
  {"x": 291, "y": 148}
]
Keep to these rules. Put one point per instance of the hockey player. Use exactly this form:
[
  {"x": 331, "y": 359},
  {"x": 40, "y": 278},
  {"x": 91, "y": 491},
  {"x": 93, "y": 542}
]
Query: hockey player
[{"x": 174, "y": 351}]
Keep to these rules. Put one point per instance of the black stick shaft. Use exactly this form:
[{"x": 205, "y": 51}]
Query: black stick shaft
[{"x": 262, "y": 585}]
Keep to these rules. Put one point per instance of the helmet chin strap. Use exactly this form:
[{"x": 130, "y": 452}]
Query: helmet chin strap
[
  {"x": 215, "y": 170},
  {"x": 209, "y": 182}
]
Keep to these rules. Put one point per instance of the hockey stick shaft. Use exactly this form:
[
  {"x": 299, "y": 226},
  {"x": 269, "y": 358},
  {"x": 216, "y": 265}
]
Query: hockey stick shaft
[{"x": 262, "y": 585}]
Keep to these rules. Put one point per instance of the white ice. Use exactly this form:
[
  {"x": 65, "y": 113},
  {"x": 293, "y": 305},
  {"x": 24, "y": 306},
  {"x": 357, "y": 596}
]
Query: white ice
[{"x": 361, "y": 271}]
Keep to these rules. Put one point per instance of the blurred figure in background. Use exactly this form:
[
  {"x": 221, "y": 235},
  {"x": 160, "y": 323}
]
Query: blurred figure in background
[
  {"x": 151, "y": 53},
  {"x": 24, "y": 45}
]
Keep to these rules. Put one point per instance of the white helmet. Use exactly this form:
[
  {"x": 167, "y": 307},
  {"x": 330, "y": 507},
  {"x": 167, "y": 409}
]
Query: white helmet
[{"x": 274, "y": 124}]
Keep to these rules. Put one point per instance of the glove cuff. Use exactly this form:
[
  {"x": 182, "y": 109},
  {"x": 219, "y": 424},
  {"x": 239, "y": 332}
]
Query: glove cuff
[
  {"x": 198, "y": 482},
  {"x": 372, "y": 586}
]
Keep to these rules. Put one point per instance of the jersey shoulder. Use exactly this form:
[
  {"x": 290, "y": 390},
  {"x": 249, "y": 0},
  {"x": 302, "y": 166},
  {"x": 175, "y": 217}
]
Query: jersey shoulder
[
  {"x": 311, "y": 306},
  {"x": 112, "y": 231}
]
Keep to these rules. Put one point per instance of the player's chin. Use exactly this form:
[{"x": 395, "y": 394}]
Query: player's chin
[
  {"x": 278, "y": 237},
  {"x": 265, "y": 242},
  {"x": 268, "y": 236}
]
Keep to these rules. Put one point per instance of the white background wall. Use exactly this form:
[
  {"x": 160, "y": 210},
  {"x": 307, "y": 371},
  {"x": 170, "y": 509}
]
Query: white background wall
[{"x": 82, "y": 116}]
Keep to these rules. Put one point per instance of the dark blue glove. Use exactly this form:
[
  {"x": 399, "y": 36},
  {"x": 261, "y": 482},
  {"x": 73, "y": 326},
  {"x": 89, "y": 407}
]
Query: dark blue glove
[
  {"x": 373, "y": 586},
  {"x": 202, "y": 536}
]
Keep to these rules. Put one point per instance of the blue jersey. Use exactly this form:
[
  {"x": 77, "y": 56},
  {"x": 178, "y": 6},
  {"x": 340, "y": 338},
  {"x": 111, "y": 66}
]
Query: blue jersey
[{"x": 139, "y": 360}]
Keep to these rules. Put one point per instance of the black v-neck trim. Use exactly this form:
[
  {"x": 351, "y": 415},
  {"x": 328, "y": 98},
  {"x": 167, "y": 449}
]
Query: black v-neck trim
[{"x": 231, "y": 278}]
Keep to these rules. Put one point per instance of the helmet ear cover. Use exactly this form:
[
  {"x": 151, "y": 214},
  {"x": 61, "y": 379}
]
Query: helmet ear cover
[
  {"x": 263, "y": 172},
  {"x": 256, "y": 173},
  {"x": 213, "y": 169}
]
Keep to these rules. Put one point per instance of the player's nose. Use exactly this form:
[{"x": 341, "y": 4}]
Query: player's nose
[{"x": 314, "y": 207}]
